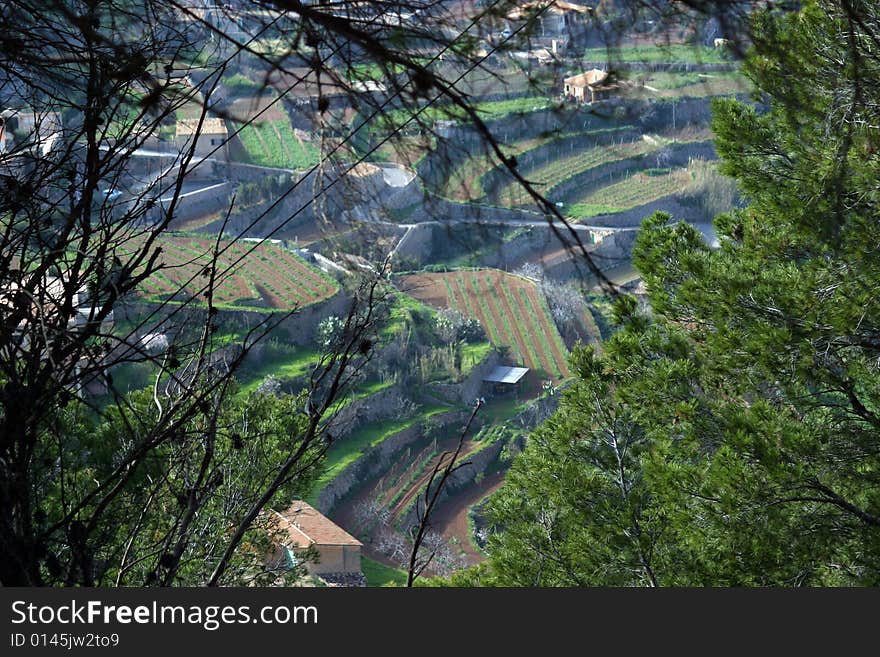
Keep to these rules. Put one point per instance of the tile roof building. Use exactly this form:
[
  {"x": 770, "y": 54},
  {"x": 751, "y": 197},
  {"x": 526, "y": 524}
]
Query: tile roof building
[{"x": 302, "y": 527}]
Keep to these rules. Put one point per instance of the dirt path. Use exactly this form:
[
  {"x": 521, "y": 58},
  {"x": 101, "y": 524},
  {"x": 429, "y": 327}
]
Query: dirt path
[{"x": 451, "y": 519}]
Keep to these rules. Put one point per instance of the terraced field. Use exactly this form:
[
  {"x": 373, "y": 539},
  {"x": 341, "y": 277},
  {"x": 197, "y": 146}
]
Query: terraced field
[
  {"x": 264, "y": 276},
  {"x": 695, "y": 85},
  {"x": 560, "y": 169},
  {"x": 658, "y": 52},
  {"x": 465, "y": 183},
  {"x": 636, "y": 189},
  {"x": 510, "y": 308},
  {"x": 273, "y": 144}
]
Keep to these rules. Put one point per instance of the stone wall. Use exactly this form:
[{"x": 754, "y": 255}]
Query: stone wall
[{"x": 383, "y": 405}]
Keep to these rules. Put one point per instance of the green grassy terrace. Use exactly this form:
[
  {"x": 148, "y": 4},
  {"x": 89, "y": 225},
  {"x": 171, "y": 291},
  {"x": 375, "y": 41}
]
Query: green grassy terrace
[
  {"x": 488, "y": 111},
  {"x": 636, "y": 189},
  {"x": 657, "y": 53},
  {"x": 347, "y": 450},
  {"x": 273, "y": 144},
  {"x": 378, "y": 574}
]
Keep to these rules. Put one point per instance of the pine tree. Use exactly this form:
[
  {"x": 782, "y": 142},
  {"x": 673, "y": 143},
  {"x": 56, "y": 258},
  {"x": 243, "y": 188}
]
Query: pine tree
[{"x": 747, "y": 395}]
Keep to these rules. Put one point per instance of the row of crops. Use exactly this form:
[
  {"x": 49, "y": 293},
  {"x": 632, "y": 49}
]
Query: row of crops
[
  {"x": 259, "y": 275},
  {"x": 511, "y": 310}
]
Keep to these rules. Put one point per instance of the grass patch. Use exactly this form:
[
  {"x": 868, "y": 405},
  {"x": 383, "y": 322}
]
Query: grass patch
[
  {"x": 498, "y": 109},
  {"x": 281, "y": 361},
  {"x": 634, "y": 190},
  {"x": 586, "y": 210},
  {"x": 676, "y": 53},
  {"x": 378, "y": 574},
  {"x": 404, "y": 311},
  {"x": 692, "y": 85},
  {"x": 352, "y": 447},
  {"x": 473, "y": 354},
  {"x": 488, "y": 111},
  {"x": 274, "y": 144},
  {"x": 239, "y": 84},
  {"x": 499, "y": 410}
]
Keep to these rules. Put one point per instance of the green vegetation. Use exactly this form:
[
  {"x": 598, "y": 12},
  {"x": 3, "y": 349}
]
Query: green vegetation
[
  {"x": 511, "y": 318},
  {"x": 274, "y": 144},
  {"x": 487, "y": 111},
  {"x": 347, "y": 450},
  {"x": 726, "y": 433},
  {"x": 500, "y": 410},
  {"x": 636, "y": 189},
  {"x": 687, "y": 85},
  {"x": 238, "y": 84},
  {"x": 406, "y": 311},
  {"x": 473, "y": 353},
  {"x": 280, "y": 361},
  {"x": 378, "y": 574},
  {"x": 700, "y": 180},
  {"x": 374, "y": 71},
  {"x": 250, "y": 276},
  {"x": 587, "y": 210},
  {"x": 673, "y": 53},
  {"x": 559, "y": 168},
  {"x": 498, "y": 109}
]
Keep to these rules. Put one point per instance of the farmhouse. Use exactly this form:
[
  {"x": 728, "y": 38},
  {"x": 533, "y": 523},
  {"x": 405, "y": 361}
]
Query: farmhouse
[
  {"x": 556, "y": 19},
  {"x": 504, "y": 379},
  {"x": 302, "y": 528},
  {"x": 210, "y": 142},
  {"x": 587, "y": 87},
  {"x": 39, "y": 131}
]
